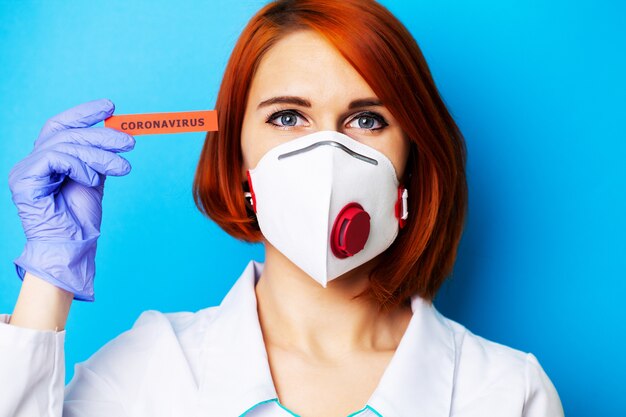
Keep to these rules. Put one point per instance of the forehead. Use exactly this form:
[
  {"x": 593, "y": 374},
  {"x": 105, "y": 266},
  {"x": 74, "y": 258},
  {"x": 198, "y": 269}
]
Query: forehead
[{"x": 304, "y": 63}]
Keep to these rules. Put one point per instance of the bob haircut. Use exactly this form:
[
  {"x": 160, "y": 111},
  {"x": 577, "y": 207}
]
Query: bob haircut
[{"x": 385, "y": 54}]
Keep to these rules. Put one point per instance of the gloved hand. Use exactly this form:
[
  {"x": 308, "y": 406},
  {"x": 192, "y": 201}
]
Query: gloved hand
[{"x": 58, "y": 191}]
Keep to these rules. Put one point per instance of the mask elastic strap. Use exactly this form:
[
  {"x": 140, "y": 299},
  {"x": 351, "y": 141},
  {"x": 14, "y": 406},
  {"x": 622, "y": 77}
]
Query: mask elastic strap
[
  {"x": 402, "y": 206},
  {"x": 250, "y": 194}
]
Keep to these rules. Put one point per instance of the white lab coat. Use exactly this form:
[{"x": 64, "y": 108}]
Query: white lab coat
[{"x": 213, "y": 363}]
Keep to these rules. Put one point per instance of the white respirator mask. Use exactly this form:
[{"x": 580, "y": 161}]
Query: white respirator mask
[{"x": 327, "y": 202}]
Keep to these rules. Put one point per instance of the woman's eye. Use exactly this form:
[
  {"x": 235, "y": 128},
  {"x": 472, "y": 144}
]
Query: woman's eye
[
  {"x": 284, "y": 118},
  {"x": 369, "y": 121}
]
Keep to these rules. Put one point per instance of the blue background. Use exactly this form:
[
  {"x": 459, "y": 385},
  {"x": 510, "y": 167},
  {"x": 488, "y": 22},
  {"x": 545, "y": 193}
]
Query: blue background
[{"x": 537, "y": 88}]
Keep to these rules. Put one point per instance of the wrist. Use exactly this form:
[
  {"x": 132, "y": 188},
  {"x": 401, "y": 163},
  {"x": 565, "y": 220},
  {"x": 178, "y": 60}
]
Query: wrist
[{"x": 41, "y": 305}]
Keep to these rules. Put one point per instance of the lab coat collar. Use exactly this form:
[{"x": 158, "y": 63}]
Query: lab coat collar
[
  {"x": 419, "y": 379},
  {"x": 236, "y": 373},
  {"x": 236, "y": 377}
]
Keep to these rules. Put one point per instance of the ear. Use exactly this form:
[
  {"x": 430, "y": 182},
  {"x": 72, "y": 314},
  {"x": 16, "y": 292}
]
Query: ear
[{"x": 410, "y": 164}]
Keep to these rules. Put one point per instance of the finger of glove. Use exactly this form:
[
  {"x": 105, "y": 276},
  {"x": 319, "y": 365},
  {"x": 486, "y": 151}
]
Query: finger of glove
[
  {"x": 101, "y": 161},
  {"x": 84, "y": 115},
  {"x": 99, "y": 137},
  {"x": 35, "y": 173}
]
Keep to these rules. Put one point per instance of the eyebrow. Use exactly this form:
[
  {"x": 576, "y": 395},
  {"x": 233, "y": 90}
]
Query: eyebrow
[{"x": 299, "y": 101}]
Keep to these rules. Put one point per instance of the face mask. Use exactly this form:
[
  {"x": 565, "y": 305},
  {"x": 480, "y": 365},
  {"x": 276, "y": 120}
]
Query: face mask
[{"x": 327, "y": 202}]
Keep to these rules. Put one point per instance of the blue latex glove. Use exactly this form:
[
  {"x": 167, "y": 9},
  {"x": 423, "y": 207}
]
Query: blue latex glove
[{"x": 58, "y": 191}]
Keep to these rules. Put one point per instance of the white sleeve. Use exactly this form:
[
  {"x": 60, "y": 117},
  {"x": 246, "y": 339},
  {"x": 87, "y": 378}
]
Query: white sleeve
[
  {"x": 32, "y": 371},
  {"x": 542, "y": 399},
  {"x": 32, "y": 377}
]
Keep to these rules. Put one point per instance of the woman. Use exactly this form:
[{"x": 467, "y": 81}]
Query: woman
[{"x": 336, "y": 151}]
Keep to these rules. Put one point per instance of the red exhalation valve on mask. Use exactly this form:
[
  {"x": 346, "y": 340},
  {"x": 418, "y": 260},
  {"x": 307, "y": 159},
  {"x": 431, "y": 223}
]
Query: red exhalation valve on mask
[{"x": 350, "y": 231}]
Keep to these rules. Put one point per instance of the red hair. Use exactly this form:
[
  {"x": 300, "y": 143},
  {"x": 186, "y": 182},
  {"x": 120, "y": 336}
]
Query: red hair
[{"x": 385, "y": 54}]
